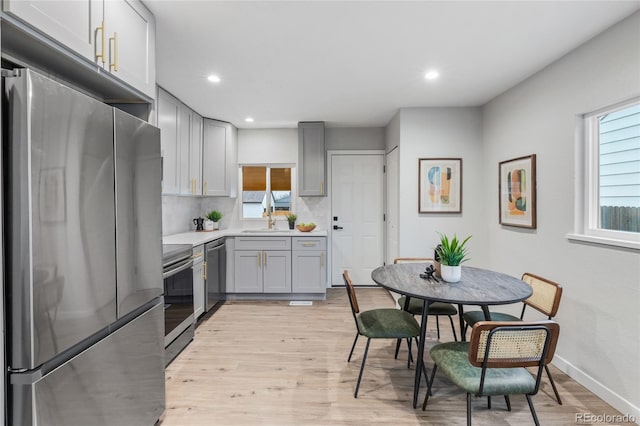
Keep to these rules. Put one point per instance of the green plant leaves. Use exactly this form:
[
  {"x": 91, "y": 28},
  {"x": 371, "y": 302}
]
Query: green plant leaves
[{"x": 452, "y": 251}]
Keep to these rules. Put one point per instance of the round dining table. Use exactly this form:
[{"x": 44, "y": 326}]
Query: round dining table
[{"x": 477, "y": 286}]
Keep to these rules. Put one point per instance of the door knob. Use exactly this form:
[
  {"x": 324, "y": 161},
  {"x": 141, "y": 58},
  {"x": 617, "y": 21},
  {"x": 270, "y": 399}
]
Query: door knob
[{"x": 337, "y": 227}]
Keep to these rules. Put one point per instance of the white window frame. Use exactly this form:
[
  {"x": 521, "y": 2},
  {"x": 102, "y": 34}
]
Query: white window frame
[
  {"x": 268, "y": 166},
  {"x": 587, "y": 206}
]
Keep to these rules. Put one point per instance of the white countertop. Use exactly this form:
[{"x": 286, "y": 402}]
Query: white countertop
[{"x": 198, "y": 238}]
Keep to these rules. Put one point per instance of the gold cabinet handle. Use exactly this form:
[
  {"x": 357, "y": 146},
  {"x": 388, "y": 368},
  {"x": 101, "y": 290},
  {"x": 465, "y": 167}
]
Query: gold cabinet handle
[
  {"x": 101, "y": 54},
  {"x": 204, "y": 271},
  {"x": 322, "y": 259},
  {"x": 264, "y": 253},
  {"x": 114, "y": 65},
  {"x": 259, "y": 260},
  {"x": 308, "y": 244},
  {"x": 322, "y": 187},
  {"x": 206, "y": 188},
  {"x": 195, "y": 187}
]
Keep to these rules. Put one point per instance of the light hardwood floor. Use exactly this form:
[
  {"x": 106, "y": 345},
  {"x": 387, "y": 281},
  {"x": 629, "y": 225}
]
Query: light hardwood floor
[{"x": 269, "y": 363}]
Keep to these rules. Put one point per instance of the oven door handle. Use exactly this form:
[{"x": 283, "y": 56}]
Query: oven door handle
[{"x": 186, "y": 265}]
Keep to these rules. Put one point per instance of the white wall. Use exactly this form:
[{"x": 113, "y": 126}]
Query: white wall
[
  {"x": 262, "y": 146},
  {"x": 437, "y": 133},
  {"x": 356, "y": 138},
  {"x": 599, "y": 313}
]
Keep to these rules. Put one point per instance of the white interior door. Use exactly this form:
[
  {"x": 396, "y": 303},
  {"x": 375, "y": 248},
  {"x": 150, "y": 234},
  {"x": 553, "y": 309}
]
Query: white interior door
[
  {"x": 357, "y": 183},
  {"x": 393, "y": 188}
]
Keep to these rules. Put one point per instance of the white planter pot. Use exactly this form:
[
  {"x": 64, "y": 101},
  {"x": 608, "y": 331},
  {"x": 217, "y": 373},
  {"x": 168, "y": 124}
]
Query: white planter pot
[
  {"x": 451, "y": 274},
  {"x": 216, "y": 225},
  {"x": 208, "y": 225}
]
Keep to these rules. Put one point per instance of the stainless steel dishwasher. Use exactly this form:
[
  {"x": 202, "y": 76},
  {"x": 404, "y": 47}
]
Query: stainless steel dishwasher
[{"x": 216, "y": 273}]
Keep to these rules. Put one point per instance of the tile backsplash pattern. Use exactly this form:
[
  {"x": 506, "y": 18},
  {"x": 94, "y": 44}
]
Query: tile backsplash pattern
[{"x": 178, "y": 212}]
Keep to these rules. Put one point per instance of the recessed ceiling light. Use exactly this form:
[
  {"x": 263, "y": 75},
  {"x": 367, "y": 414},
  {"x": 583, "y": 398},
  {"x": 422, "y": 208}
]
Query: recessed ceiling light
[
  {"x": 431, "y": 75},
  {"x": 249, "y": 120},
  {"x": 213, "y": 78}
]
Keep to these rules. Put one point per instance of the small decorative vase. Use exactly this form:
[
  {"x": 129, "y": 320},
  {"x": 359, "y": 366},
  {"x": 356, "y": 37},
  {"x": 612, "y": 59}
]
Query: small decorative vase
[
  {"x": 216, "y": 225},
  {"x": 451, "y": 274},
  {"x": 292, "y": 225}
]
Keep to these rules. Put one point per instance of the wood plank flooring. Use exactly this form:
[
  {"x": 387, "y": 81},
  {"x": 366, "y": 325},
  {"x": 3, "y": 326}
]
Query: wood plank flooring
[{"x": 268, "y": 363}]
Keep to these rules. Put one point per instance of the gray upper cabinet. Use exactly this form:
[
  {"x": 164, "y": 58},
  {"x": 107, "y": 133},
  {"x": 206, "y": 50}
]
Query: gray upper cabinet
[
  {"x": 117, "y": 35},
  {"x": 181, "y": 136},
  {"x": 168, "y": 118},
  {"x": 311, "y": 159},
  {"x": 219, "y": 158}
]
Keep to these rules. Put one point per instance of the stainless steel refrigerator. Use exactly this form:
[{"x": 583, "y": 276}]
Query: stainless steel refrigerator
[{"x": 83, "y": 258}]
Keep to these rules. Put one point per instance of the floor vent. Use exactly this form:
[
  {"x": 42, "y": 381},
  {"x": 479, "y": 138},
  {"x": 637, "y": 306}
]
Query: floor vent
[{"x": 301, "y": 303}]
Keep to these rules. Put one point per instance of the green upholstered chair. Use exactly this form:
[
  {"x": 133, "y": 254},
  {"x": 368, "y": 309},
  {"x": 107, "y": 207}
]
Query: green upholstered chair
[
  {"x": 387, "y": 323},
  {"x": 436, "y": 309},
  {"x": 545, "y": 299},
  {"x": 494, "y": 361}
]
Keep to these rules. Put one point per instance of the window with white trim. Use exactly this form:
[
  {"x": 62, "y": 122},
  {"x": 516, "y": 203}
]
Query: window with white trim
[
  {"x": 266, "y": 190},
  {"x": 612, "y": 174}
]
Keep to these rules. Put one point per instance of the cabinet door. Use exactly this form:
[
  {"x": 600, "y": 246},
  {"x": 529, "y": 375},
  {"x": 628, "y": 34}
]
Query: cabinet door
[
  {"x": 248, "y": 271},
  {"x": 311, "y": 159},
  {"x": 130, "y": 34},
  {"x": 309, "y": 272},
  {"x": 72, "y": 22},
  {"x": 168, "y": 113},
  {"x": 185, "y": 186},
  {"x": 216, "y": 150},
  {"x": 195, "y": 154},
  {"x": 277, "y": 271},
  {"x": 198, "y": 289}
]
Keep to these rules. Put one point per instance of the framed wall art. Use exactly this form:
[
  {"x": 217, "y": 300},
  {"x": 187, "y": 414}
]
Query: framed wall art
[
  {"x": 439, "y": 185},
  {"x": 517, "y": 192}
]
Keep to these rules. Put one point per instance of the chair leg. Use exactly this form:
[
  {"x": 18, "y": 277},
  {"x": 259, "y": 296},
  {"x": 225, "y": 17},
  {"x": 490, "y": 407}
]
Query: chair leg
[
  {"x": 438, "y": 325},
  {"x": 468, "y": 409},
  {"x": 489, "y": 402},
  {"x": 553, "y": 384},
  {"x": 353, "y": 347},
  {"x": 429, "y": 384},
  {"x": 506, "y": 399},
  {"x": 455, "y": 337},
  {"x": 364, "y": 359},
  {"x": 397, "y": 348},
  {"x": 410, "y": 357},
  {"x": 533, "y": 411}
]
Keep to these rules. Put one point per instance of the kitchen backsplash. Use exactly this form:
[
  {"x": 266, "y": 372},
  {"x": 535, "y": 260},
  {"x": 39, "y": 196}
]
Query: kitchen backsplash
[{"x": 178, "y": 212}]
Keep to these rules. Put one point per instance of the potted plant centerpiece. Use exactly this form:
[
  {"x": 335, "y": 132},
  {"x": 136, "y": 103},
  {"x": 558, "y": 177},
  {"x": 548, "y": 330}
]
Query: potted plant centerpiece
[
  {"x": 291, "y": 218},
  {"x": 452, "y": 253},
  {"x": 214, "y": 216}
]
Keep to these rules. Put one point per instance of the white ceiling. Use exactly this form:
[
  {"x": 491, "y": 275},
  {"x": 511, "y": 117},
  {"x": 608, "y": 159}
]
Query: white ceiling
[{"x": 354, "y": 63}]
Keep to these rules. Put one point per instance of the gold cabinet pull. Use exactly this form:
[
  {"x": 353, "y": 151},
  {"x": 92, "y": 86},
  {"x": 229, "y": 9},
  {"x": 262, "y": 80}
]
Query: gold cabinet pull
[
  {"x": 308, "y": 244},
  {"x": 206, "y": 188},
  {"x": 204, "y": 271},
  {"x": 264, "y": 253},
  {"x": 195, "y": 187},
  {"x": 322, "y": 187},
  {"x": 322, "y": 259},
  {"x": 101, "y": 54},
  {"x": 259, "y": 260},
  {"x": 114, "y": 65}
]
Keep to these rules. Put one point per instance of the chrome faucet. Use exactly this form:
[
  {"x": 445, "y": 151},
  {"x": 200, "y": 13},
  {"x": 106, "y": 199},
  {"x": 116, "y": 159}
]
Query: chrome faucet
[{"x": 272, "y": 222}]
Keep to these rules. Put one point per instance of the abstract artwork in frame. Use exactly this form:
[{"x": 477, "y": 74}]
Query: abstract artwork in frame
[
  {"x": 439, "y": 185},
  {"x": 517, "y": 192}
]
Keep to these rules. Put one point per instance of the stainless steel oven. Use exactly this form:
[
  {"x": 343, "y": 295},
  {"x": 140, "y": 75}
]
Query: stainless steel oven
[{"x": 178, "y": 298}]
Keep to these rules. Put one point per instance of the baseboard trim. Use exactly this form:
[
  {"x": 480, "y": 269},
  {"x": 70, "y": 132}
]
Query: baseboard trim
[{"x": 608, "y": 395}]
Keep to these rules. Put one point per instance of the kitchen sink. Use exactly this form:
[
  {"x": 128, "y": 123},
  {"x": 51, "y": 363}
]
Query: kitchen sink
[{"x": 263, "y": 231}]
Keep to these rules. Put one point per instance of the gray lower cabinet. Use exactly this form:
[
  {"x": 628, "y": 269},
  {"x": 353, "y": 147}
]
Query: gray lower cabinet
[
  {"x": 262, "y": 271},
  {"x": 279, "y": 265},
  {"x": 309, "y": 265}
]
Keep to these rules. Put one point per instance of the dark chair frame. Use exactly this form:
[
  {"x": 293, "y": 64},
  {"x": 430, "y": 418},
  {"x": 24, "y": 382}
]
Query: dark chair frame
[
  {"x": 550, "y": 311},
  {"x": 355, "y": 310},
  {"x": 552, "y": 330}
]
